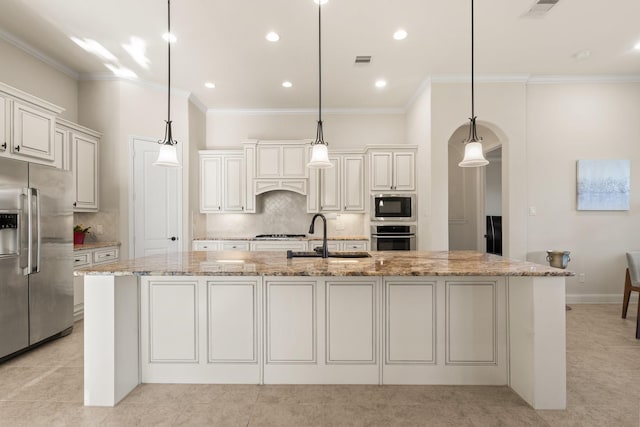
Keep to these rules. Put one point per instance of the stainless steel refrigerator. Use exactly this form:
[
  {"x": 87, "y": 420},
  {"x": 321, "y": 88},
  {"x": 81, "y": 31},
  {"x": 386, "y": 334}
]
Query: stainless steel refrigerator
[{"x": 36, "y": 249}]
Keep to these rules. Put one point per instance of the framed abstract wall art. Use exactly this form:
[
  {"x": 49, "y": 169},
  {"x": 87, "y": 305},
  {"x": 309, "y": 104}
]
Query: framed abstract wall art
[{"x": 604, "y": 185}]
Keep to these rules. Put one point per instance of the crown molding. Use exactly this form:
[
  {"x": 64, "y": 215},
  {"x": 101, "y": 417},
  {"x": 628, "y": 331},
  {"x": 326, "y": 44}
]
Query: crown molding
[
  {"x": 480, "y": 78},
  {"x": 426, "y": 83},
  {"x": 305, "y": 111},
  {"x": 38, "y": 54},
  {"x": 109, "y": 77},
  {"x": 197, "y": 103},
  {"x": 592, "y": 78}
]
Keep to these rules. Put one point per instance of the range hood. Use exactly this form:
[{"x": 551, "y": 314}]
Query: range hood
[{"x": 285, "y": 184}]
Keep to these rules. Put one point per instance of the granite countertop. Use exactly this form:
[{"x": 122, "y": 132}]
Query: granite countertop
[
  {"x": 306, "y": 238},
  {"x": 94, "y": 245},
  {"x": 275, "y": 263}
]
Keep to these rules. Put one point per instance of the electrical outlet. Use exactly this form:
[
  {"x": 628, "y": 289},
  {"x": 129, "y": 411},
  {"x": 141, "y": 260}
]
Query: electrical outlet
[
  {"x": 99, "y": 229},
  {"x": 339, "y": 226},
  {"x": 581, "y": 277},
  {"x": 532, "y": 211}
]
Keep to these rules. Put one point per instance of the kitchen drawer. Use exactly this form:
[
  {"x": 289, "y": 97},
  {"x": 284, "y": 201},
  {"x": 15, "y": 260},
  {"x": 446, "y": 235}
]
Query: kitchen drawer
[
  {"x": 332, "y": 245},
  {"x": 279, "y": 245},
  {"x": 355, "y": 246},
  {"x": 234, "y": 246},
  {"x": 81, "y": 259},
  {"x": 206, "y": 245},
  {"x": 105, "y": 255}
]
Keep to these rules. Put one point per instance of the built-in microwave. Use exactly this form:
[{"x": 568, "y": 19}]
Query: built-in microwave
[{"x": 393, "y": 207}]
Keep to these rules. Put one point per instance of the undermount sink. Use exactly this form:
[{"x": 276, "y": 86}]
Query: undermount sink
[{"x": 316, "y": 254}]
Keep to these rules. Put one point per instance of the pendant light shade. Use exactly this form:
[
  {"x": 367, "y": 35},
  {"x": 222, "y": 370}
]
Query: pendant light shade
[
  {"x": 473, "y": 155},
  {"x": 320, "y": 153},
  {"x": 319, "y": 157},
  {"x": 168, "y": 156}
]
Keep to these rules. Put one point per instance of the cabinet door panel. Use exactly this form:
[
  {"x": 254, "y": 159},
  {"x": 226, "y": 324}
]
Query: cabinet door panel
[
  {"x": 471, "y": 323},
  {"x": 85, "y": 165},
  {"x": 381, "y": 171},
  {"x": 291, "y": 322},
  {"x": 210, "y": 184},
  {"x": 330, "y": 197},
  {"x": 294, "y": 164},
  {"x": 268, "y": 162},
  {"x": 4, "y": 126},
  {"x": 404, "y": 165},
  {"x": 353, "y": 183},
  {"x": 232, "y": 321},
  {"x": 233, "y": 186},
  {"x": 173, "y": 321},
  {"x": 410, "y": 322},
  {"x": 33, "y": 132},
  {"x": 351, "y": 328}
]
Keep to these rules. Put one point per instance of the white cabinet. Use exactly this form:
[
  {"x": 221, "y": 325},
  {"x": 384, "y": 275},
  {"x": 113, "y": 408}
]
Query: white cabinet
[
  {"x": 222, "y": 184},
  {"x": 279, "y": 245},
  {"x": 234, "y": 245},
  {"x": 83, "y": 145},
  {"x": 278, "y": 159},
  {"x": 206, "y": 245},
  {"x": 340, "y": 188},
  {"x": 87, "y": 258},
  {"x": 320, "y": 330},
  {"x": 27, "y": 127},
  {"x": 392, "y": 170},
  {"x": 341, "y": 245}
]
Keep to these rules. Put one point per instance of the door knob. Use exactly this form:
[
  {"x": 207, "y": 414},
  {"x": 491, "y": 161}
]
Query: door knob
[{"x": 173, "y": 238}]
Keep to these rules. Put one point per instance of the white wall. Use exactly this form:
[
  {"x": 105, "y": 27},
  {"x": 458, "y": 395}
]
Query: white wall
[
  {"x": 196, "y": 221},
  {"x": 501, "y": 108},
  {"x": 418, "y": 124},
  {"x": 566, "y": 123},
  {"x": 340, "y": 130},
  {"x": 31, "y": 75},
  {"x": 122, "y": 109}
]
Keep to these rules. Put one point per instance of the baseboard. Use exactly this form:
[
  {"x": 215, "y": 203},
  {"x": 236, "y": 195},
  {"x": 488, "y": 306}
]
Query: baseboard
[
  {"x": 599, "y": 298},
  {"x": 78, "y": 312}
]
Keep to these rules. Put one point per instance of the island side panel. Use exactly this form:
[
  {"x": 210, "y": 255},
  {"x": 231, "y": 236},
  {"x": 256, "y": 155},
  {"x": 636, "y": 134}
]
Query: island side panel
[
  {"x": 537, "y": 340},
  {"x": 111, "y": 357}
]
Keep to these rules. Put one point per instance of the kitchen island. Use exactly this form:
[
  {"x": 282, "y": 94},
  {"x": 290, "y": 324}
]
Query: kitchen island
[{"x": 393, "y": 318}]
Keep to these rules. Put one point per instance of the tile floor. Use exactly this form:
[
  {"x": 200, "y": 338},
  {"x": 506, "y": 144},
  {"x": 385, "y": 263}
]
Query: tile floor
[{"x": 44, "y": 388}]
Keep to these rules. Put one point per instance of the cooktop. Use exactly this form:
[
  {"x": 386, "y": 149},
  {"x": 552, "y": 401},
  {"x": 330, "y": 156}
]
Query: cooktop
[{"x": 279, "y": 236}]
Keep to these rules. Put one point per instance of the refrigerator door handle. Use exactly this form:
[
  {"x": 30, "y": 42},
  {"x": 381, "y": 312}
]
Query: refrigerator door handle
[{"x": 33, "y": 203}]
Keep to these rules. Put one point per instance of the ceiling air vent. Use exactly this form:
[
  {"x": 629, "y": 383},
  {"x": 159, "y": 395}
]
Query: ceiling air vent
[
  {"x": 363, "y": 59},
  {"x": 540, "y": 8}
]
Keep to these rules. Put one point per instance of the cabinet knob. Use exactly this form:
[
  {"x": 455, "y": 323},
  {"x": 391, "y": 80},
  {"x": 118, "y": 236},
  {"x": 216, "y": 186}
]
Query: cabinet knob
[
  {"x": 173, "y": 238},
  {"x": 4, "y": 146},
  {"x": 75, "y": 204},
  {"x": 218, "y": 207},
  {"x": 17, "y": 148}
]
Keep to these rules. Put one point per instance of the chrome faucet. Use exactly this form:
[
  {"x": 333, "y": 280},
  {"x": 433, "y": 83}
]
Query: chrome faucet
[{"x": 325, "y": 250}]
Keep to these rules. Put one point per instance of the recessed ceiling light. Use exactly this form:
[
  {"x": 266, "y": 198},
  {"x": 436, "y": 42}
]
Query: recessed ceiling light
[
  {"x": 381, "y": 83},
  {"x": 287, "y": 84},
  {"x": 637, "y": 46},
  {"x": 400, "y": 35},
  {"x": 273, "y": 36},
  {"x": 320, "y": 1},
  {"x": 209, "y": 85},
  {"x": 169, "y": 37}
]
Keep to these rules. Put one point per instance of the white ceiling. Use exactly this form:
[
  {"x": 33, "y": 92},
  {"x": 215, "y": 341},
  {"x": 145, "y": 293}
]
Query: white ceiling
[{"x": 223, "y": 41}]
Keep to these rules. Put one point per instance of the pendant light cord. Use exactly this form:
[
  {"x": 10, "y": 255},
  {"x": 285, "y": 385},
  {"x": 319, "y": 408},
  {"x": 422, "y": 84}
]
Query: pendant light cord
[
  {"x": 169, "y": 61},
  {"x": 319, "y": 132},
  {"x": 473, "y": 135}
]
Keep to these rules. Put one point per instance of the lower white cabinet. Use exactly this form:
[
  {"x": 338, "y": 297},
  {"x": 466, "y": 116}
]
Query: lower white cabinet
[
  {"x": 200, "y": 330},
  {"x": 279, "y": 245},
  {"x": 341, "y": 245},
  {"x": 87, "y": 258},
  {"x": 323, "y": 330}
]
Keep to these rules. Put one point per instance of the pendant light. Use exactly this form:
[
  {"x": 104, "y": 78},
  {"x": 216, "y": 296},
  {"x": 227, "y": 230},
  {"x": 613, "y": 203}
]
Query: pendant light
[
  {"x": 168, "y": 156},
  {"x": 473, "y": 156},
  {"x": 319, "y": 153}
]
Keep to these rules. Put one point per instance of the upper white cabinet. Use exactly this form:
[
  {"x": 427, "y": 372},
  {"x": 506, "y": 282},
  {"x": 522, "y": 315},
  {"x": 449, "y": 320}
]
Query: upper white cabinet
[
  {"x": 81, "y": 147},
  {"x": 222, "y": 182},
  {"x": 392, "y": 169},
  {"x": 278, "y": 159},
  {"x": 340, "y": 188},
  {"x": 27, "y": 127}
]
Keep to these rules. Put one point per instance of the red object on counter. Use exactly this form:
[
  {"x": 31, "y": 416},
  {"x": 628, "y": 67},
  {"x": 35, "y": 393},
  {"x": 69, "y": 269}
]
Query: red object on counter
[{"x": 78, "y": 238}]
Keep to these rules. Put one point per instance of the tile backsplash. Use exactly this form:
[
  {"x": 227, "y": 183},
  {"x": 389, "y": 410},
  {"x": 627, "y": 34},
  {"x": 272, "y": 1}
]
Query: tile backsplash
[{"x": 282, "y": 212}]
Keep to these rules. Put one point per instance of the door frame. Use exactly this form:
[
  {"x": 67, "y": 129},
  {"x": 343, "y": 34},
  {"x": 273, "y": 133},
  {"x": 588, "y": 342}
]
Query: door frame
[{"x": 132, "y": 213}]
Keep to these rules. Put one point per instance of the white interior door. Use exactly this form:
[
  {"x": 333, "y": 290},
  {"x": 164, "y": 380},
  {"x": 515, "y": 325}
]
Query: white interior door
[{"x": 156, "y": 201}]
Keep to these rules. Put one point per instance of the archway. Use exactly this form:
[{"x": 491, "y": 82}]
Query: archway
[{"x": 475, "y": 194}]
